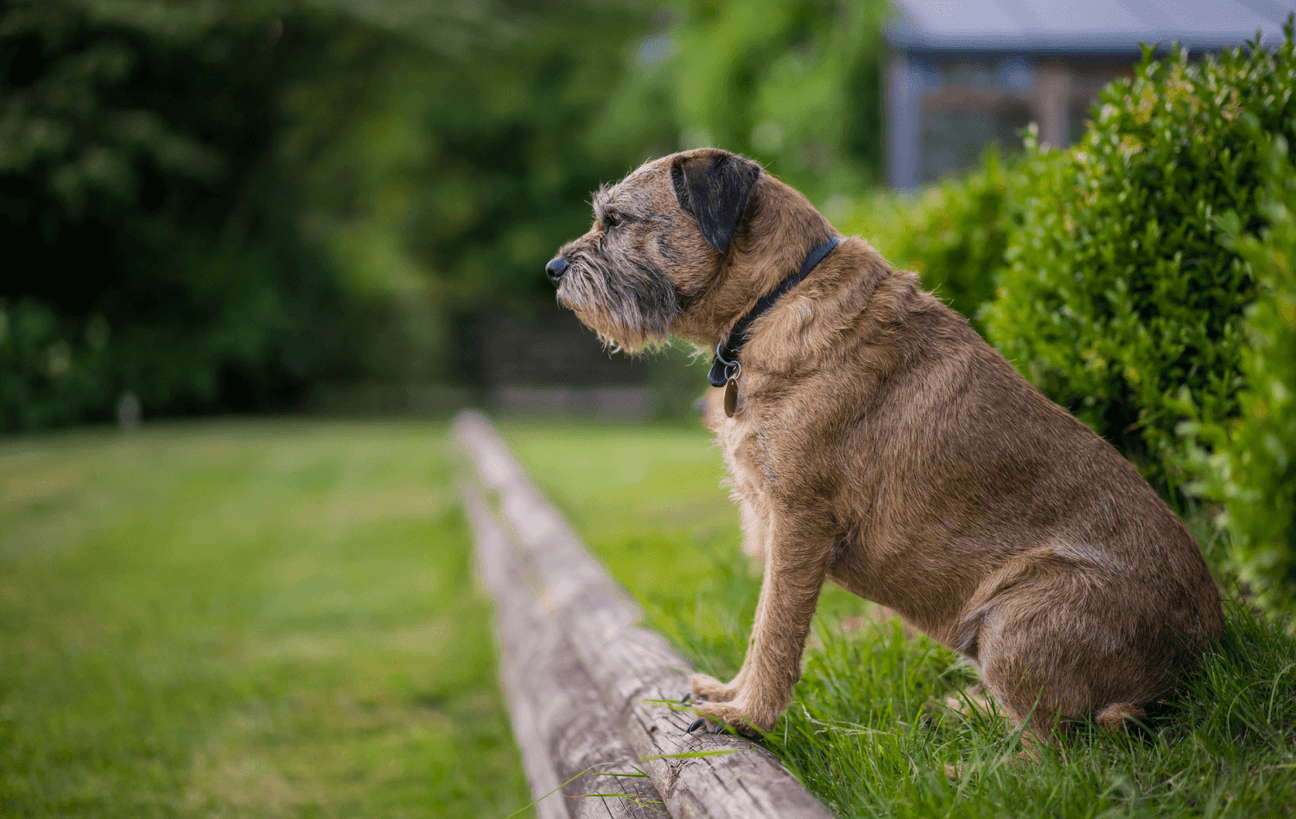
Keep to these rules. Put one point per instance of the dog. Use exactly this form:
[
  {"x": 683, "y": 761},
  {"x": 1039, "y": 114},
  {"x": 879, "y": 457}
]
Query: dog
[
  {"x": 710, "y": 408},
  {"x": 872, "y": 438}
]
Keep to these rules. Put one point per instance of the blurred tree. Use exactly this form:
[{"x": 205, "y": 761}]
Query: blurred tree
[
  {"x": 211, "y": 204},
  {"x": 150, "y": 244},
  {"x": 794, "y": 83},
  {"x": 464, "y": 168}
]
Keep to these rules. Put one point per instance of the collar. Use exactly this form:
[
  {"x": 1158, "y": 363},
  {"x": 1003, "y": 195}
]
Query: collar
[{"x": 725, "y": 367}]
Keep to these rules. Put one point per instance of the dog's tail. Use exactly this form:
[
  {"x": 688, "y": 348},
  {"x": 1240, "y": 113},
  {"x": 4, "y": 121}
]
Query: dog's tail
[{"x": 1119, "y": 715}]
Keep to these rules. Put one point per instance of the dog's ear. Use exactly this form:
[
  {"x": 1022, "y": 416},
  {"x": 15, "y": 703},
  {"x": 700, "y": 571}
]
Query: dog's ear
[{"x": 714, "y": 188}]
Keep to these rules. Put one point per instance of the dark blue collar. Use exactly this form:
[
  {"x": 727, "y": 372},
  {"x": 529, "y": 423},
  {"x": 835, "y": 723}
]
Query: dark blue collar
[{"x": 725, "y": 364}]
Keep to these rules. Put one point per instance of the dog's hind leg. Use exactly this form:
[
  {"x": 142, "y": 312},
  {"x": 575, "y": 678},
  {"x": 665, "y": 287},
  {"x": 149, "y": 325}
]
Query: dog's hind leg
[{"x": 1050, "y": 666}]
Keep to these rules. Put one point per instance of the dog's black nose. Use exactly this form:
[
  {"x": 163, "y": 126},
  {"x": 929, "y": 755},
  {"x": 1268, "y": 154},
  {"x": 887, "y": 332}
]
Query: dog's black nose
[{"x": 556, "y": 268}]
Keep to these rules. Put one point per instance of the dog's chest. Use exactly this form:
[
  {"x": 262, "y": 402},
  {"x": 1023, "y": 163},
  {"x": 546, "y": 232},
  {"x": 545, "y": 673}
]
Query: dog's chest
[{"x": 751, "y": 444}]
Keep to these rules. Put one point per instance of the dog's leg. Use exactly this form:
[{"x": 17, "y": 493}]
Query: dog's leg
[
  {"x": 1054, "y": 651},
  {"x": 756, "y": 534},
  {"x": 795, "y": 568},
  {"x": 756, "y": 531},
  {"x": 706, "y": 687}
]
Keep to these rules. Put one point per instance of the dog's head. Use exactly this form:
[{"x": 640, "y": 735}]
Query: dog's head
[{"x": 660, "y": 238}]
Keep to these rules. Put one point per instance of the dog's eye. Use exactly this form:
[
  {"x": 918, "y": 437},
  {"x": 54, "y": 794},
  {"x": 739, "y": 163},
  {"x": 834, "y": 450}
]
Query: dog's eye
[{"x": 611, "y": 220}]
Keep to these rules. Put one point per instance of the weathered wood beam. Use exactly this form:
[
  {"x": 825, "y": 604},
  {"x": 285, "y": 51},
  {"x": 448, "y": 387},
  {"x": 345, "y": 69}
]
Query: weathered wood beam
[
  {"x": 633, "y": 668},
  {"x": 564, "y": 728}
]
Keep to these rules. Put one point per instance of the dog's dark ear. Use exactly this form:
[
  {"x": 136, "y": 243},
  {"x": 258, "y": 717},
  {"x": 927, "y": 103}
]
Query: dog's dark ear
[{"x": 714, "y": 188}]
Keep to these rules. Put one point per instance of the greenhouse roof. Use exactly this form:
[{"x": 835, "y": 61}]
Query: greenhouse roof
[{"x": 1083, "y": 26}]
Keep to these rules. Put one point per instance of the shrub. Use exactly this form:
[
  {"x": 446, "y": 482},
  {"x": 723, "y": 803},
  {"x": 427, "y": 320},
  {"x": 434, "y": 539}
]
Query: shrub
[
  {"x": 953, "y": 234},
  {"x": 1252, "y": 471},
  {"x": 1119, "y": 289}
]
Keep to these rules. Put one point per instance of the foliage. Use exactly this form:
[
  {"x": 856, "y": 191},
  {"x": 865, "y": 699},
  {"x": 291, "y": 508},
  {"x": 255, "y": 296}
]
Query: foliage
[
  {"x": 1119, "y": 289},
  {"x": 41, "y": 354},
  {"x": 258, "y": 197},
  {"x": 954, "y": 234},
  {"x": 463, "y": 170},
  {"x": 794, "y": 84},
  {"x": 1250, "y": 466},
  {"x": 253, "y": 197},
  {"x": 151, "y": 247}
]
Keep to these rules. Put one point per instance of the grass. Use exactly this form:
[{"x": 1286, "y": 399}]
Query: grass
[
  {"x": 244, "y": 619},
  {"x": 278, "y": 619},
  {"x": 868, "y": 731}
]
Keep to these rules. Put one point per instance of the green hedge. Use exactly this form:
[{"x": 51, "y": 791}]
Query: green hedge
[
  {"x": 1144, "y": 279},
  {"x": 1120, "y": 289},
  {"x": 1249, "y": 469}
]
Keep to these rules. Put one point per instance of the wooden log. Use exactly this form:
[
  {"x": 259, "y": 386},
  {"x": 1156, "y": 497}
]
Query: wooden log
[
  {"x": 631, "y": 666},
  {"x": 498, "y": 575},
  {"x": 568, "y": 737}
]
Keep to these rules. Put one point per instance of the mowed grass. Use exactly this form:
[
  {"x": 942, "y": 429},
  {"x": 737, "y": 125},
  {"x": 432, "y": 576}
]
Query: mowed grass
[
  {"x": 870, "y": 731},
  {"x": 244, "y": 619},
  {"x": 279, "y": 619}
]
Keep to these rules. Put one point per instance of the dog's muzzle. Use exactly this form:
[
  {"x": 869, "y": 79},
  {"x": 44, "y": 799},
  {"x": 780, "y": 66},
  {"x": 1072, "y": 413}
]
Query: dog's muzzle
[{"x": 556, "y": 269}]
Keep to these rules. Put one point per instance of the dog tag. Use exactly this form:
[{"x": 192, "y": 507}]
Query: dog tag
[{"x": 731, "y": 397}]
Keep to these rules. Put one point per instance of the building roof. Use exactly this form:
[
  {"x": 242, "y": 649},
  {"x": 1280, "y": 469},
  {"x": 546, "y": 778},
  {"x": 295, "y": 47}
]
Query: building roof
[{"x": 1083, "y": 26}]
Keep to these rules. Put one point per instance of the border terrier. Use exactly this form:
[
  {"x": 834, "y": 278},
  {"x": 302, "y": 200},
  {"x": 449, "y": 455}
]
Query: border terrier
[{"x": 871, "y": 437}]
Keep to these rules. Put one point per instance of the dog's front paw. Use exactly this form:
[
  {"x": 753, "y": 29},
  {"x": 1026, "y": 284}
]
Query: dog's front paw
[
  {"x": 709, "y": 688},
  {"x": 735, "y": 716}
]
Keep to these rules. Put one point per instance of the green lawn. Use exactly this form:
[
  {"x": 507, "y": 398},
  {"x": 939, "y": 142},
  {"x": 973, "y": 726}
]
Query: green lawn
[
  {"x": 244, "y": 619},
  {"x": 868, "y": 731},
  {"x": 278, "y": 618}
]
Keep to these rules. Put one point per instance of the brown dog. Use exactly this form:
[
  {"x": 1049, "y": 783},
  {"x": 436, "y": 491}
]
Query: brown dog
[{"x": 874, "y": 439}]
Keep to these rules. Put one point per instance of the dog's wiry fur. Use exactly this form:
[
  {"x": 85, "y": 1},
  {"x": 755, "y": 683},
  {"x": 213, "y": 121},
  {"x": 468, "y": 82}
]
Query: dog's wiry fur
[{"x": 879, "y": 442}]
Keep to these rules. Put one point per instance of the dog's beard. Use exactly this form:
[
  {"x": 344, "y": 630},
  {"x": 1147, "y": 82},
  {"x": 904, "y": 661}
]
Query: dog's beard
[{"x": 629, "y": 312}]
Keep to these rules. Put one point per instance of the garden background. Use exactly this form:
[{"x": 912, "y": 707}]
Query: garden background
[{"x": 286, "y": 214}]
